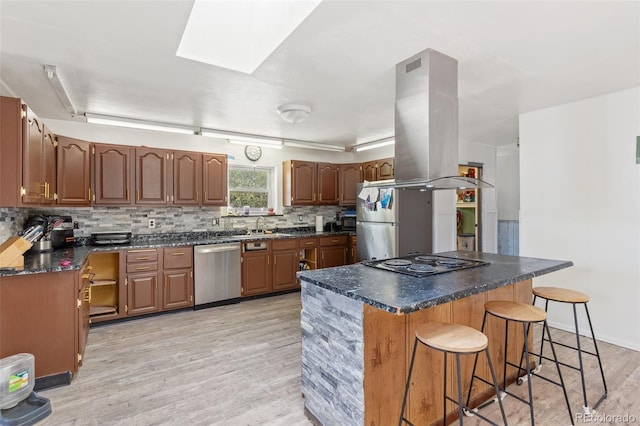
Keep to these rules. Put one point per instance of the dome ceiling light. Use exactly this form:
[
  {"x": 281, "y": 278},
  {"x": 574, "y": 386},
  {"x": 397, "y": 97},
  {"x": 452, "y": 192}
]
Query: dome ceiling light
[{"x": 294, "y": 113}]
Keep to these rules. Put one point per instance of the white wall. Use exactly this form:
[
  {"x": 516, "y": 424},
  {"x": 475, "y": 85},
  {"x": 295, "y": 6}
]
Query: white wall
[
  {"x": 508, "y": 182},
  {"x": 580, "y": 201}
]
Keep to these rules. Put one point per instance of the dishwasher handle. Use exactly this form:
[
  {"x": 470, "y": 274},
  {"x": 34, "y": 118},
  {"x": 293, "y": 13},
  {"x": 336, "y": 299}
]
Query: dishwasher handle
[{"x": 216, "y": 248}]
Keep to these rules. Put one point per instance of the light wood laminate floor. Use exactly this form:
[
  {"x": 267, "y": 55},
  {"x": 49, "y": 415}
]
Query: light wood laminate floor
[{"x": 240, "y": 365}]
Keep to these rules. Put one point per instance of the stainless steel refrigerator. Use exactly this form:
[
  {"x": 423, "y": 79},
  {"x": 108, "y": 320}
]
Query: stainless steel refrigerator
[{"x": 393, "y": 222}]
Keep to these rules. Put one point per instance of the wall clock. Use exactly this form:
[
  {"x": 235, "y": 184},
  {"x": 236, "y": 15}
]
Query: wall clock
[{"x": 253, "y": 152}]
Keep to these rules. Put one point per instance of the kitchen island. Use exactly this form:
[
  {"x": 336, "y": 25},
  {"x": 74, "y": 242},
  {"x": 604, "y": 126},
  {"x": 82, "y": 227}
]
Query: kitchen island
[{"x": 358, "y": 326}]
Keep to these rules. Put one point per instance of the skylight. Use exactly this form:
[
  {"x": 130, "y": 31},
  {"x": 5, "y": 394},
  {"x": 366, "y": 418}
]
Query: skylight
[{"x": 240, "y": 35}]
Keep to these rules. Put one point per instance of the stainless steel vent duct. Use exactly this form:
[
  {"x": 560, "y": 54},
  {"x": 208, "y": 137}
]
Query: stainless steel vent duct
[{"x": 426, "y": 125}]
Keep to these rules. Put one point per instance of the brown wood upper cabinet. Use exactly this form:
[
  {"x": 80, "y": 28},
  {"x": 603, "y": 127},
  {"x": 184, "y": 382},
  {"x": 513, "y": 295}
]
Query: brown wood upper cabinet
[
  {"x": 350, "y": 177},
  {"x": 38, "y": 162},
  {"x": 180, "y": 178},
  {"x": 12, "y": 125},
  {"x": 328, "y": 183},
  {"x": 214, "y": 179},
  {"x": 299, "y": 183},
  {"x": 378, "y": 169},
  {"x": 187, "y": 178},
  {"x": 74, "y": 172},
  {"x": 112, "y": 177},
  {"x": 309, "y": 183},
  {"x": 152, "y": 176}
]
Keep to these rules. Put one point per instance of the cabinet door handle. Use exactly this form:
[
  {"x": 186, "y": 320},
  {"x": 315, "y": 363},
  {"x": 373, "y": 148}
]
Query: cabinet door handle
[
  {"x": 196, "y": 195},
  {"x": 179, "y": 254},
  {"x": 127, "y": 192}
]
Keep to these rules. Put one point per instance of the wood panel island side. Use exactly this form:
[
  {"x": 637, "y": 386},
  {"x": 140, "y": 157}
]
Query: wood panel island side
[{"x": 358, "y": 326}]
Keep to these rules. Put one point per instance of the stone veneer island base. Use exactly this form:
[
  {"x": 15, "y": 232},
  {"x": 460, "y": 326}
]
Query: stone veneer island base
[{"x": 358, "y": 326}]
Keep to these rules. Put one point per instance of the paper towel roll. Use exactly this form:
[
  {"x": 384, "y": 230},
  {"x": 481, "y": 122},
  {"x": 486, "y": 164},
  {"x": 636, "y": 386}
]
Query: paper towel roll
[{"x": 319, "y": 223}]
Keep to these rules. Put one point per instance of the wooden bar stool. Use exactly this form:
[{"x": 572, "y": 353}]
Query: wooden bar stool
[
  {"x": 526, "y": 315},
  {"x": 563, "y": 295},
  {"x": 456, "y": 339}
]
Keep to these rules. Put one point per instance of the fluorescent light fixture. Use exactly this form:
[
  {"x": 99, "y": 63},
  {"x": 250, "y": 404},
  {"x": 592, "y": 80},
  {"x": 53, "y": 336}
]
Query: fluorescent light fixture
[
  {"x": 314, "y": 145},
  {"x": 139, "y": 124},
  {"x": 374, "y": 144},
  {"x": 243, "y": 139},
  {"x": 262, "y": 144},
  {"x": 240, "y": 35},
  {"x": 58, "y": 87}
]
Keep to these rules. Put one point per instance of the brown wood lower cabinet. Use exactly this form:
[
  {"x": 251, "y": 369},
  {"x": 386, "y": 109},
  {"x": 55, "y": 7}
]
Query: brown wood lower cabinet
[
  {"x": 140, "y": 281},
  {"x": 385, "y": 373},
  {"x": 177, "y": 277},
  {"x": 142, "y": 293},
  {"x": 333, "y": 251},
  {"x": 142, "y": 276},
  {"x": 285, "y": 264},
  {"x": 256, "y": 272},
  {"x": 84, "y": 298},
  {"x": 39, "y": 315}
]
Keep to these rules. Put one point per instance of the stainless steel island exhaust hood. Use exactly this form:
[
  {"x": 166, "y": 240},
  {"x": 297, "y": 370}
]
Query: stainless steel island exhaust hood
[{"x": 426, "y": 125}]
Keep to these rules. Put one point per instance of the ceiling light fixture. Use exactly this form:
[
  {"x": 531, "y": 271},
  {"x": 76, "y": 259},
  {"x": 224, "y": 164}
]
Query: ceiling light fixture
[
  {"x": 313, "y": 145},
  {"x": 243, "y": 139},
  {"x": 139, "y": 124},
  {"x": 294, "y": 113},
  {"x": 374, "y": 144},
  {"x": 61, "y": 91}
]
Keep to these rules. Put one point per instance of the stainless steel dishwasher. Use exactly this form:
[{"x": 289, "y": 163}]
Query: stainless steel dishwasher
[{"x": 216, "y": 274}]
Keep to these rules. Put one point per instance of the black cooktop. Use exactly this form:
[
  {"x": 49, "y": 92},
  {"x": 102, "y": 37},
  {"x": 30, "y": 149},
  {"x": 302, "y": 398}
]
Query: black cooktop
[{"x": 423, "y": 265}]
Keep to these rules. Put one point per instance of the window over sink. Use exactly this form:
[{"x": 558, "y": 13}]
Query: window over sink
[{"x": 251, "y": 186}]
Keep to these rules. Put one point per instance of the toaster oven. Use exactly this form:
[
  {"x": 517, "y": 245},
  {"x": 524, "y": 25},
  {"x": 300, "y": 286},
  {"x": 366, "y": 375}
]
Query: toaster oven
[{"x": 348, "y": 223}]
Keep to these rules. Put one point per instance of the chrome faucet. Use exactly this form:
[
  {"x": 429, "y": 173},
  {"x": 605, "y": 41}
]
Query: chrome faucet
[{"x": 258, "y": 224}]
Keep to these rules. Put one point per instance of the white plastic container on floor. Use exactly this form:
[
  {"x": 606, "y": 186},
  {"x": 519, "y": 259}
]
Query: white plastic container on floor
[
  {"x": 466, "y": 242},
  {"x": 17, "y": 378}
]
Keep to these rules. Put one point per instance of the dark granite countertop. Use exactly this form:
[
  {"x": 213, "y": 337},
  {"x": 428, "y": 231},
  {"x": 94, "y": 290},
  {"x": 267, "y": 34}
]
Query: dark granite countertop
[
  {"x": 400, "y": 293},
  {"x": 36, "y": 263}
]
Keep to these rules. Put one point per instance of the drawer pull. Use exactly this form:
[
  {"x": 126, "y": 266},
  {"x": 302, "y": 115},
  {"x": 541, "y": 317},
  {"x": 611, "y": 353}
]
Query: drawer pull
[
  {"x": 141, "y": 251},
  {"x": 309, "y": 243},
  {"x": 179, "y": 254},
  {"x": 335, "y": 241},
  {"x": 143, "y": 258},
  {"x": 143, "y": 268}
]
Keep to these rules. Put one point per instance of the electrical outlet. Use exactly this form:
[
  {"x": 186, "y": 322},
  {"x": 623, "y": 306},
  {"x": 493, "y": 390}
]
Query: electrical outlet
[
  {"x": 152, "y": 223},
  {"x": 76, "y": 225},
  {"x": 299, "y": 218},
  {"x": 215, "y": 221}
]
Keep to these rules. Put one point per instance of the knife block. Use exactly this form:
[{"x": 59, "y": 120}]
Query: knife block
[{"x": 12, "y": 252}]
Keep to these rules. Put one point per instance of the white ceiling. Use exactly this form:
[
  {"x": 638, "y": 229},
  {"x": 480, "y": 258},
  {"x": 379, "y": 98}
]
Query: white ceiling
[{"x": 119, "y": 58}]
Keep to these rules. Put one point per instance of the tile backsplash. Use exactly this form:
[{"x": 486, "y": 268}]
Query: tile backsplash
[{"x": 167, "y": 219}]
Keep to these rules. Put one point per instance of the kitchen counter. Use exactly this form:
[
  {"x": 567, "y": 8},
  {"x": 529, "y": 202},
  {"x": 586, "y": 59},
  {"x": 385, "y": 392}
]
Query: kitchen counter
[
  {"x": 401, "y": 294},
  {"x": 358, "y": 328},
  {"x": 36, "y": 263}
]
